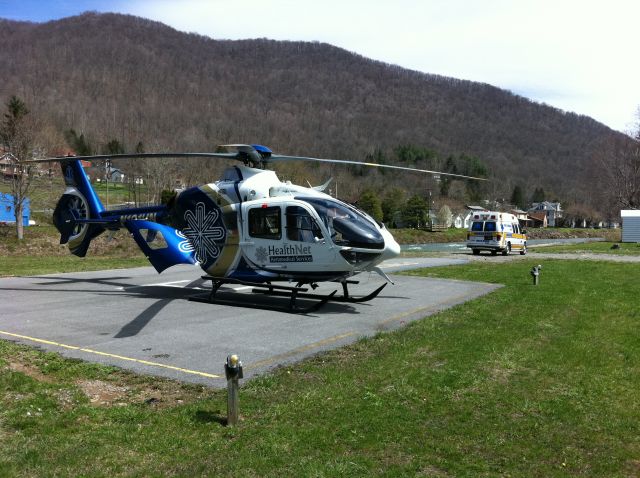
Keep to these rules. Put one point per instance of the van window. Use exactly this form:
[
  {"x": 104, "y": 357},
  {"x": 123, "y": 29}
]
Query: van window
[
  {"x": 490, "y": 226},
  {"x": 476, "y": 226}
]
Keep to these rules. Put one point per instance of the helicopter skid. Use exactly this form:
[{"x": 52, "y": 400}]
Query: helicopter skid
[
  {"x": 331, "y": 298},
  {"x": 268, "y": 289}
]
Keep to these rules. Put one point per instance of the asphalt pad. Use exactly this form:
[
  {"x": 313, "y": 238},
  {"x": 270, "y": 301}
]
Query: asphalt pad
[{"x": 139, "y": 320}]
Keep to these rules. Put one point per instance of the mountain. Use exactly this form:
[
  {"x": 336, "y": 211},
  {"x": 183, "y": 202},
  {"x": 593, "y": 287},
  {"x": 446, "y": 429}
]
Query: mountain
[{"x": 118, "y": 76}]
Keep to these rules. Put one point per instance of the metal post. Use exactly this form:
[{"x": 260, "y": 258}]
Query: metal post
[
  {"x": 233, "y": 372},
  {"x": 535, "y": 273}
]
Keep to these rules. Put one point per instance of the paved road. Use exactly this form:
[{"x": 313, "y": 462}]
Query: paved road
[
  {"x": 581, "y": 256},
  {"x": 139, "y": 320}
]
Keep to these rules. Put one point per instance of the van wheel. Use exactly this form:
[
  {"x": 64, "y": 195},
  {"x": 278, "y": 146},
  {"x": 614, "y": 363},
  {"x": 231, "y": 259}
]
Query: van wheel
[
  {"x": 507, "y": 250},
  {"x": 524, "y": 250},
  {"x": 476, "y": 252}
]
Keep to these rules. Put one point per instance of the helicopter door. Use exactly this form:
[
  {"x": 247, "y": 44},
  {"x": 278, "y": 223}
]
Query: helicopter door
[{"x": 289, "y": 243}]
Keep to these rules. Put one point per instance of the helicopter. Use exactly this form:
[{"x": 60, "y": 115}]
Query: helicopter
[{"x": 247, "y": 228}]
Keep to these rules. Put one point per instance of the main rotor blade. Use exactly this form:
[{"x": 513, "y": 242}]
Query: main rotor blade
[
  {"x": 278, "y": 157},
  {"x": 137, "y": 155}
]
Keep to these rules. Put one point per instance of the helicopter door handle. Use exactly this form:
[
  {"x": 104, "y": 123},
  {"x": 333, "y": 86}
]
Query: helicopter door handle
[{"x": 247, "y": 243}]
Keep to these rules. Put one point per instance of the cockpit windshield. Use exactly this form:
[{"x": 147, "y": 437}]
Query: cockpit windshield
[{"x": 346, "y": 225}]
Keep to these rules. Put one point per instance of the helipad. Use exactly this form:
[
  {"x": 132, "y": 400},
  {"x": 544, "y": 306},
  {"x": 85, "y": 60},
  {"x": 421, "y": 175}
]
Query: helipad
[{"x": 142, "y": 321}]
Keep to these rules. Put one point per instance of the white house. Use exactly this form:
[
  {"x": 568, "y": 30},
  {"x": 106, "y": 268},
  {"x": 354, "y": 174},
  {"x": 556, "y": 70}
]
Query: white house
[
  {"x": 468, "y": 216},
  {"x": 552, "y": 210},
  {"x": 630, "y": 225},
  {"x": 521, "y": 215}
]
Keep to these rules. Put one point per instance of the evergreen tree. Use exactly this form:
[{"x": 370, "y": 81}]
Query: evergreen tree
[
  {"x": 392, "y": 204},
  {"x": 517, "y": 198},
  {"x": 415, "y": 213},
  {"x": 445, "y": 181},
  {"x": 78, "y": 142},
  {"x": 471, "y": 166},
  {"x": 113, "y": 147},
  {"x": 414, "y": 154},
  {"x": 538, "y": 195},
  {"x": 370, "y": 203}
]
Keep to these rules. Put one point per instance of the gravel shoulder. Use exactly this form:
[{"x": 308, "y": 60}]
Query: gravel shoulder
[{"x": 542, "y": 255}]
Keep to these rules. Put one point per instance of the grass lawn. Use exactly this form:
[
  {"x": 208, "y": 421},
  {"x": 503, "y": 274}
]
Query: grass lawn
[
  {"x": 594, "y": 247},
  {"x": 40, "y": 253},
  {"x": 45, "y": 192},
  {"x": 527, "y": 381},
  {"x": 25, "y": 266}
]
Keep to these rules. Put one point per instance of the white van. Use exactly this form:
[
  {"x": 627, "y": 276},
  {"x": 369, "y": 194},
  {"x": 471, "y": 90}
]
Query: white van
[{"x": 496, "y": 232}]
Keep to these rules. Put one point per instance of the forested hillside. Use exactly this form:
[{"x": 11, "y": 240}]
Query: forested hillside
[{"x": 111, "y": 76}]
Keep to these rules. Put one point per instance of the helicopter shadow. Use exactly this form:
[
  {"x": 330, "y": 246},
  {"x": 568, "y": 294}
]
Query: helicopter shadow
[
  {"x": 165, "y": 295},
  {"x": 277, "y": 303}
]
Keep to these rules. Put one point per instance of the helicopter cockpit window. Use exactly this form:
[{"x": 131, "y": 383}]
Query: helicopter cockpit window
[
  {"x": 346, "y": 225},
  {"x": 301, "y": 226},
  {"x": 264, "y": 222}
]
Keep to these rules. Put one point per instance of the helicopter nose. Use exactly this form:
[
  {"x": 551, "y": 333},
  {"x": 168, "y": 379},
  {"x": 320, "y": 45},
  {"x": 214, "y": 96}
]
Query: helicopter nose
[{"x": 391, "y": 247}]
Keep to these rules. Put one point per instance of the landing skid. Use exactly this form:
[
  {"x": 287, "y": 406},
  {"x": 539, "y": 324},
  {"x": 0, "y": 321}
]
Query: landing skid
[
  {"x": 294, "y": 293},
  {"x": 345, "y": 291}
]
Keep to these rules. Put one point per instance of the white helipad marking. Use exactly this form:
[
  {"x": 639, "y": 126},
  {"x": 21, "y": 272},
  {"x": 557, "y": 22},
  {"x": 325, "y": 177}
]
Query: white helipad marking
[
  {"x": 177, "y": 284},
  {"x": 166, "y": 284},
  {"x": 387, "y": 265}
]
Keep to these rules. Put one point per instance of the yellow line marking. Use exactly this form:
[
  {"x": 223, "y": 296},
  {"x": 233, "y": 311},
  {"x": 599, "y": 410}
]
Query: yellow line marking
[
  {"x": 105, "y": 354},
  {"x": 299, "y": 350}
]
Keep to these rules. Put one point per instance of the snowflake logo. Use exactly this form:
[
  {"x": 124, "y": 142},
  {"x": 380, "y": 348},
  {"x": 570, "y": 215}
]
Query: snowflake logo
[
  {"x": 203, "y": 230},
  {"x": 261, "y": 254}
]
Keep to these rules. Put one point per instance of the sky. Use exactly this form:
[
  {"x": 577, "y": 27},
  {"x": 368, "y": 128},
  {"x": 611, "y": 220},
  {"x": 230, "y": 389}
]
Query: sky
[{"x": 579, "y": 56}]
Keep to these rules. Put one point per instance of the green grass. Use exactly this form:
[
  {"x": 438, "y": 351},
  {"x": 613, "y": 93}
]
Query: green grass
[
  {"x": 593, "y": 248},
  {"x": 25, "y": 266},
  {"x": 417, "y": 236},
  {"x": 527, "y": 381},
  {"x": 40, "y": 253},
  {"x": 119, "y": 193}
]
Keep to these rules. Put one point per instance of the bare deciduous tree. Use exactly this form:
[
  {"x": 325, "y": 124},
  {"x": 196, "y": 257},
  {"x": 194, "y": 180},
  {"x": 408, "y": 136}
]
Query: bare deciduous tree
[
  {"x": 17, "y": 133},
  {"x": 180, "y": 92},
  {"x": 622, "y": 167}
]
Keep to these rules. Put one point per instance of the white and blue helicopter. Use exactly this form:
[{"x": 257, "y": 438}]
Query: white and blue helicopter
[{"x": 247, "y": 228}]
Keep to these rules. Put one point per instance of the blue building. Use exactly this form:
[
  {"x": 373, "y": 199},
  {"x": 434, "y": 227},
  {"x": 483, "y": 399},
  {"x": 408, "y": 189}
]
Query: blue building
[{"x": 7, "y": 214}]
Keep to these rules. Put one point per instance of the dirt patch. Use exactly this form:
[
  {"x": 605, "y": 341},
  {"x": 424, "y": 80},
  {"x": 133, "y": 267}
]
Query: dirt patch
[
  {"x": 164, "y": 395},
  {"x": 118, "y": 389},
  {"x": 633, "y": 468},
  {"x": 103, "y": 393},
  {"x": 30, "y": 371}
]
